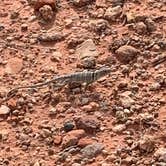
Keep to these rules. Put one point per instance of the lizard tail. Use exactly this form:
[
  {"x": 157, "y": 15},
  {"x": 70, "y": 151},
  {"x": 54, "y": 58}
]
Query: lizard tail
[{"x": 27, "y": 87}]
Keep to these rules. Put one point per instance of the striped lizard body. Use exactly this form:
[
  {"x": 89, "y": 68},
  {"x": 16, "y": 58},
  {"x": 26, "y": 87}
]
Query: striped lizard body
[
  {"x": 78, "y": 77},
  {"x": 86, "y": 76}
]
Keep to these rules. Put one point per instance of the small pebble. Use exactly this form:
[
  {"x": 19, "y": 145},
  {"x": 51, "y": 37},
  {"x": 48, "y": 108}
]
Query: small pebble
[
  {"x": 24, "y": 27},
  {"x": 68, "y": 126}
]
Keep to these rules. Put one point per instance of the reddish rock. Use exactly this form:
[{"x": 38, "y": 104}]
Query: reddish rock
[
  {"x": 72, "y": 138},
  {"x": 88, "y": 123},
  {"x": 84, "y": 142},
  {"x": 87, "y": 108},
  {"x": 41, "y": 3},
  {"x": 91, "y": 107},
  {"x": 57, "y": 140},
  {"x": 12, "y": 103}
]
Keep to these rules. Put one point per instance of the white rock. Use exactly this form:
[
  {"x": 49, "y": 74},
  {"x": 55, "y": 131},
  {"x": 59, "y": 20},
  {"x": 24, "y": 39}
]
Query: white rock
[
  {"x": 4, "y": 110},
  {"x": 119, "y": 128}
]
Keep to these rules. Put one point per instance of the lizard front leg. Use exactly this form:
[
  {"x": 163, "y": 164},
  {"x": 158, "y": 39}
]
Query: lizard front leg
[
  {"x": 87, "y": 85},
  {"x": 59, "y": 85}
]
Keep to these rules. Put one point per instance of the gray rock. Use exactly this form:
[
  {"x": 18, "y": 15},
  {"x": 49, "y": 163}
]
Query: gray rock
[
  {"x": 87, "y": 49},
  {"x": 84, "y": 101},
  {"x": 88, "y": 62},
  {"x": 68, "y": 126},
  {"x": 51, "y": 37},
  {"x": 112, "y": 13},
  {"x": 92, "y": 150},
  {"x": 99, "y": 25}
]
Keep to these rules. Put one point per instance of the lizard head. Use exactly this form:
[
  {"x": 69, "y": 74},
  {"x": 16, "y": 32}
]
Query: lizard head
[{"x": 102, "y": 72}]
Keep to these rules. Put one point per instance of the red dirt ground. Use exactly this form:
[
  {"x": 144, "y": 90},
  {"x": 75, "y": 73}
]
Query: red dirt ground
[{"x": 32, "y": 132}]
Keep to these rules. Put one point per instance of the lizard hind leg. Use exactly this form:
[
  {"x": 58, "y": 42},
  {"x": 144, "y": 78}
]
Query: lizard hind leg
[
  {"x": 87, "y": 85},
  {"x": 11, "y": 93},
  {"x": 58, "y": 85}
]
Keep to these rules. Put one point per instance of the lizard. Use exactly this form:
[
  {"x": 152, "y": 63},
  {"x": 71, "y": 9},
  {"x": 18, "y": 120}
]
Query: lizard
[{"x": 87, "y": 77}]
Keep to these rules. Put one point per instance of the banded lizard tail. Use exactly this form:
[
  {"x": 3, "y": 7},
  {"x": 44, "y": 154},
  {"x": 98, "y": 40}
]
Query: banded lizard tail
[{"x": 87, "y": 77}]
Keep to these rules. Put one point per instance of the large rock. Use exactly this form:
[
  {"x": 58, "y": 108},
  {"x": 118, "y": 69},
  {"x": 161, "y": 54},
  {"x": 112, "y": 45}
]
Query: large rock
[
  {"x": 112, "y": 13},
  {"x": 87, "y": 49},
  {"x": 126, "y": 53},
  {"x": 14, "y": 65},
  {"x": 72, "y": 138},
  {"x": 87, "y": 123},
  {"x": 92, "y": 150}
]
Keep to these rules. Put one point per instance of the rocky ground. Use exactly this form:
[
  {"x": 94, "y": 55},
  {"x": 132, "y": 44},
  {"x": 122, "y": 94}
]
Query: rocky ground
[{"x": 120, "y": 119}]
